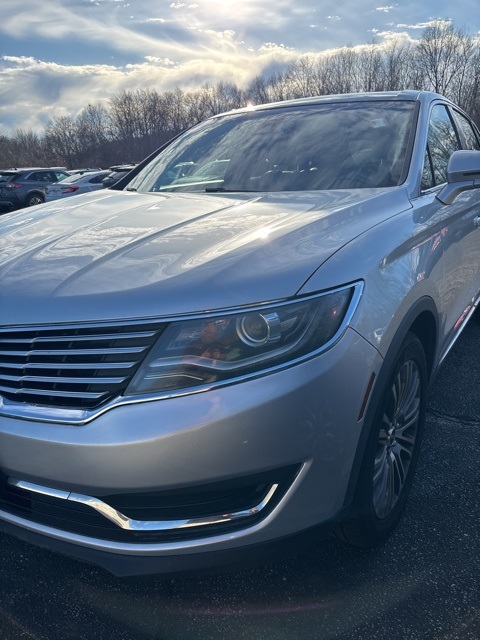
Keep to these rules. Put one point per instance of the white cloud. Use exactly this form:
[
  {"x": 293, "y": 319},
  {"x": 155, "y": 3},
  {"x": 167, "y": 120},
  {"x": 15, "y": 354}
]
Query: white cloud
[
  {"x": 390, "y": 36},
  {"x": 221, "y": 35},
  {"x": 418, "y": 25},
  {"x": 272, "y": 46},
  {"x": 43, "y": 90},
  {"x": 174, "y": 43},
  {"x": 24, "y": 60},
  {"x": 162, "y": 61},
  {"x": 183, "y": 5},
  {"x": 387, "y": 8}
]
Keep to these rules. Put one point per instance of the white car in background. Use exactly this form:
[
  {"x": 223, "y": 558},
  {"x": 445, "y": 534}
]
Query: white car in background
[{"x": 76, "y": 184}]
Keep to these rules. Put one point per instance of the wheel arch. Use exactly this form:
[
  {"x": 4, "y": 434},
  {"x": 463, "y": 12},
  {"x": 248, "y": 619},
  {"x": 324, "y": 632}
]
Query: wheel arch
[
  {"x": 426, "y": 329},
  {"x": 35, "y": 192},
  {"x": 421, "y": 320}
]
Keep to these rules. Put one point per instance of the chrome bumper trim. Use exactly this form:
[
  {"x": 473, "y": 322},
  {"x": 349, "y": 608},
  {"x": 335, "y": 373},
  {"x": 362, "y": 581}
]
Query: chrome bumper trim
[{"x": 124, "y": 522}]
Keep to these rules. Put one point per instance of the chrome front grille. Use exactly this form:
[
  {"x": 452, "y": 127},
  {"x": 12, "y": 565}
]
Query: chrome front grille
[{"x": 72, "y": 366}]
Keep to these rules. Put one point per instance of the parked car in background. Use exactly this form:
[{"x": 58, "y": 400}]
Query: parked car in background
[
  {"x": 117, "y": 173},
  {"x": 190, "y": 373},
  {"x": 75, "y": 185},
  {"x": 26, "y": 187},
  {"x": 84, "y": 170}
]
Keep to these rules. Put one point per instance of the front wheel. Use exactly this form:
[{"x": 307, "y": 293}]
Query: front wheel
[
  {"x": 392, "y": 450},
  {"x": 33, "y": 199}
]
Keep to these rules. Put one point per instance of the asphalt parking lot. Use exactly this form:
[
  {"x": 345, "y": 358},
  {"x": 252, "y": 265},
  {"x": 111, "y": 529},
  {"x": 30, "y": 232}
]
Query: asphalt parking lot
[{"x": 423, "y": 584}]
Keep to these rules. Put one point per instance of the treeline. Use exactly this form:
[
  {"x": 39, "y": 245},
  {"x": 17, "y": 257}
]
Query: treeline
[{"x": 444, "y": 59}]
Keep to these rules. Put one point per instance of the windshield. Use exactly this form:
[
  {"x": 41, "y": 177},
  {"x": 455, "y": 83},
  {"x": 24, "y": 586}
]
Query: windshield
[{"x": 333, "y": 146}]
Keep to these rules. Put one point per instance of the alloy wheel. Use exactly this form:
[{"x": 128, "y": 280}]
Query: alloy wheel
[{"x": 397, "y": 438}]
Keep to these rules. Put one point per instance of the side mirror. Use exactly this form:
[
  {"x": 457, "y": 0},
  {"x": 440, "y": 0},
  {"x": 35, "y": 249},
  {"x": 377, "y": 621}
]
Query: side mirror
[{"x": 463, "y": 174}]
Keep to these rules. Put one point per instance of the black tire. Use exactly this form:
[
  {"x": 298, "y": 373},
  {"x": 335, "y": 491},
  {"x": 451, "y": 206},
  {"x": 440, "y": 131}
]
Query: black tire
[
  {"x": 392, "y": 450},
  {"x": 33, "y": 199}
]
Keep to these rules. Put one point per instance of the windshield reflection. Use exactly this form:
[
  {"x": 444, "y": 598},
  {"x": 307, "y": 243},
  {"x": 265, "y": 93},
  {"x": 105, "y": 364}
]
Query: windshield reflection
[{"x": 317, "y": 147}]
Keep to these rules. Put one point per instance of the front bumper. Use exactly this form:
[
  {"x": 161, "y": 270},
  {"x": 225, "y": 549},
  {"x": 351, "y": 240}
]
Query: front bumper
[{"x": 304, "y": 418}]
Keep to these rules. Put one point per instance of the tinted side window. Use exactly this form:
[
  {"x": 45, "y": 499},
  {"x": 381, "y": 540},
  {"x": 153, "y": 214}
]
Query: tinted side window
[
  {"x": 9, "y": 177},
  {"x": 469, "y": 135},
  {"x": 97, "y": 179},
  {"x": 442, "y": 142},
  {"x": 38, "y": 176},
  {"x": 33, "y": 177}
]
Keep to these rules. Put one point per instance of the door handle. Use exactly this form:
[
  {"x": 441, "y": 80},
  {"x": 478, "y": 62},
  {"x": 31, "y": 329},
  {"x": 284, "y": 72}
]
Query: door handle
[{"x": 476, "y": 221}]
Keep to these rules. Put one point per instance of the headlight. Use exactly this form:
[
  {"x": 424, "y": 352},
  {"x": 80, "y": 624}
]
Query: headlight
[{"x": 218, "y": 348}]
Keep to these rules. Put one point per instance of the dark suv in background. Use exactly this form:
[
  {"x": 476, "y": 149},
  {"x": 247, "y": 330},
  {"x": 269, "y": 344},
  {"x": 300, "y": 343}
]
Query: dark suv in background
[
  {"x": 117, "y": 172},
  {"x": 26, "y": 187}
]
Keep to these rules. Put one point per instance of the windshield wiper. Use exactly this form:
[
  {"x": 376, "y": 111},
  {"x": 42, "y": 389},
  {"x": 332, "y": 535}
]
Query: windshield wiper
[{"x": 130, "y": 189}]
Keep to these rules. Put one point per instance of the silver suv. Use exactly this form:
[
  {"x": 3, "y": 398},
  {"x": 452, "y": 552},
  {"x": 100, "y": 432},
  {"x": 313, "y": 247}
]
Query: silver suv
[
  {"x": 190, "y": 370},
  {"x": 26, "y": 187}
]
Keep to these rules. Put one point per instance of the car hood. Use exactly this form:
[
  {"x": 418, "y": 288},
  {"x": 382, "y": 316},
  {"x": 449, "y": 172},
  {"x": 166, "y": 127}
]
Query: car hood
[{"x": 117, "y": 254}]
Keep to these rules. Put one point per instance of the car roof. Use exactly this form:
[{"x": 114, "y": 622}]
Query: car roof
[
  {"x": 13, "y": 170},
  {"x": 122, "y": 167},
  {"x": 380, "y": 96}
]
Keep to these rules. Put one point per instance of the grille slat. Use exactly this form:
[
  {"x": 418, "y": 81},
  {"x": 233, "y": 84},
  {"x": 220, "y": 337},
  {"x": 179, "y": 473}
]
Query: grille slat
[
  {"x": 53, "y": 393},
  {"x": 68, "y": 365},
  {"x": 99, "y": 337},
  {"x": 64, "y": 352},
  {"x": 64, "y": 380},
  {"x": 72, "y": 366}
]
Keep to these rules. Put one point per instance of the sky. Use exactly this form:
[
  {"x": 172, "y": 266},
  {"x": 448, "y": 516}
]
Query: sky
[{"x": 57, "y": 56}]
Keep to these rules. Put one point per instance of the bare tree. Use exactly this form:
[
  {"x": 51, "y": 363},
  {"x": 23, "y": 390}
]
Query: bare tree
[
  {"x": 369, "y": 69},
  {"x": 93, "y": 135},
  {"x": 468, "y": 92},
  {"x": 399, "y": 68},
  {"x": 61, "y": 141},
  {"x": 257, "y": 91},
  {"x": 340, "y": 77},
  {"x": 301, "y": 77},
  {"x": 7, "y": 154},
  {"x": 443, "y": 53},
  {"x": 27, "y": 146}
]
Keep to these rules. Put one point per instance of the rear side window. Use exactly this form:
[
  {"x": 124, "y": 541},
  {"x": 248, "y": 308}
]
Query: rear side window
[
  {"x": 97, "y": 179},
  {"x": 40, "y": 176},
  {"x": 9, "y": 177},
  {"x": 70, "y": 179}
]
